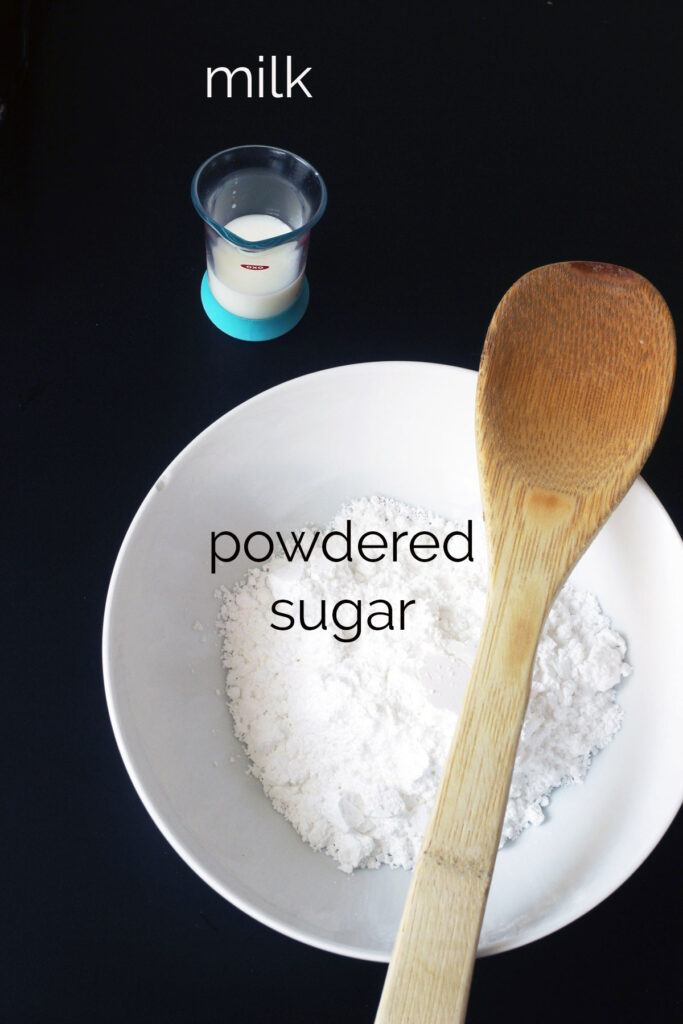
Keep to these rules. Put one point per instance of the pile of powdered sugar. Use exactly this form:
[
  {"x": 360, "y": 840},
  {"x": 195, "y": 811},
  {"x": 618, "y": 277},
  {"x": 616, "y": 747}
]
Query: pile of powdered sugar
[{"x": 348, "y": 739}]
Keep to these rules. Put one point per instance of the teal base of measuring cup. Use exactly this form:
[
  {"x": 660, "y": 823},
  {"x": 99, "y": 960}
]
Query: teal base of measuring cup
[{"x": 253, "y": 330}]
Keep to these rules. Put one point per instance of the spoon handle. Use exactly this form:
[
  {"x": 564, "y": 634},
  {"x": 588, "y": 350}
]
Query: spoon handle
[{"x": 429, "y": 975}]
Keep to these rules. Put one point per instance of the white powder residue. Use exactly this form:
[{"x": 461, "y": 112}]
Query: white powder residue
[{"x": 348, "y": 738}]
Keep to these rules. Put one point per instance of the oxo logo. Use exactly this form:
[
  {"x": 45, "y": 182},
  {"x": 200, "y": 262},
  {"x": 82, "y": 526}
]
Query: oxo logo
[{"x": 253, "y": 266}]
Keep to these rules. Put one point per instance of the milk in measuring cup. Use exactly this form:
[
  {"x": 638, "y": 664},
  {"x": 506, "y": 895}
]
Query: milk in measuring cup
[{"x": 260, "y": 283}]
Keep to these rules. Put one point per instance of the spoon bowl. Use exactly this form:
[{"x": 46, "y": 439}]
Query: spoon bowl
[{"x": 574, "y": 383}]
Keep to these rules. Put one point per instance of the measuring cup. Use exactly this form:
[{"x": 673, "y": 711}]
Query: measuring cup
[{"x": 258, "y": 205}]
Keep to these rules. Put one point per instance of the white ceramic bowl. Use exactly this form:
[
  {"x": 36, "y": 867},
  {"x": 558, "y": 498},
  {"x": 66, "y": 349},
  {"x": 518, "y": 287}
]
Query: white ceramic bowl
[{"x": 294, "y": 455}]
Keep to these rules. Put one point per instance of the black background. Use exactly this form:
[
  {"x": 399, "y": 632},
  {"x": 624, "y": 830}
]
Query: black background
[{"x": 462, "y": 144}]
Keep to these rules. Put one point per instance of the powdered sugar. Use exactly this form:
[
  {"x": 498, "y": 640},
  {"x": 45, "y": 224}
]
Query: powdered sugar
[{"x": 349, "y": 738}]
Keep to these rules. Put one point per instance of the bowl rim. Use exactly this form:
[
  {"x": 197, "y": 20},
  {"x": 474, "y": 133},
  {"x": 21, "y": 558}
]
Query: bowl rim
[{"x": 298, "y": 933}]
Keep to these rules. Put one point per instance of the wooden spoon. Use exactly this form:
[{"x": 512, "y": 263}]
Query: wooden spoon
[{"x": 575, "y": 379}]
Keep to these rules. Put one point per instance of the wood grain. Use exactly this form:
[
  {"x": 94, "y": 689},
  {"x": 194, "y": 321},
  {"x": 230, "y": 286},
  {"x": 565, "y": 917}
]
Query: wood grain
[{"x": 574, "y": 383}]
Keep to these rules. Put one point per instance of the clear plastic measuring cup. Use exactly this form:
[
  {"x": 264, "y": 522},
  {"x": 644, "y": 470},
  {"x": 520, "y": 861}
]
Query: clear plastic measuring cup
[{"x": 258, "y": 205}]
